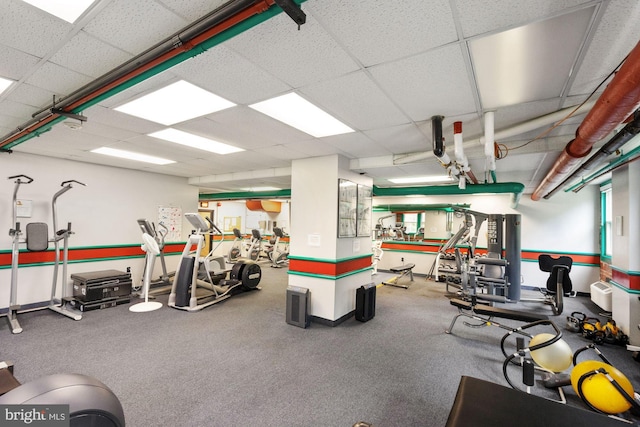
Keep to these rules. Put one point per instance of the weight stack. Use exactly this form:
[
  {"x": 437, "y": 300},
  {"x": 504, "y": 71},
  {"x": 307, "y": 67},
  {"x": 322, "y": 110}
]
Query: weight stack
[
  {"x": 298, "y": 303},
  {"x": 366, "y": 302}
]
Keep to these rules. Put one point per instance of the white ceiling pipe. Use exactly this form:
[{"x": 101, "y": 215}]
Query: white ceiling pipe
[
  {"x": 489, "y": 140},
  {"x": 518, "y": 129}
]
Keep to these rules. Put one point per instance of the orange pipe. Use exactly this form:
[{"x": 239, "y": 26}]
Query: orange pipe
[
  {"x": 618, "y": 101},
  {"x": 259, "y": 7}
]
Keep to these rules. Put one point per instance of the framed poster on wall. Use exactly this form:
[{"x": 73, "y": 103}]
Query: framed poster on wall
[
  {"x": 347, "y": 208},
  {"x": 363, "y": 219}
]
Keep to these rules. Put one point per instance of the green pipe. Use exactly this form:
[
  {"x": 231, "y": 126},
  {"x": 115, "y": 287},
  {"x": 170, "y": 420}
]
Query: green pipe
[
  {"x": 246, "y": 195},
  {"x": 607, "y": 168},
  {"x": 197, "y": 50}
]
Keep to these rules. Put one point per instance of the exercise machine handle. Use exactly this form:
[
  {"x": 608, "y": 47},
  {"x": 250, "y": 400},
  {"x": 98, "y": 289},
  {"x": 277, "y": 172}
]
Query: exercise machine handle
[
  {"x": 29, "y": 180},
  {"x": 213, "y": 226},
  {"x": 70, "y": 182}
]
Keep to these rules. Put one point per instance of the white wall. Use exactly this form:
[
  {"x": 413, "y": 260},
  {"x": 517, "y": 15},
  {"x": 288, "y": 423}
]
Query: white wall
[
  {"x": 103, "y": 213},
  {"x": 564, "y": 223}
]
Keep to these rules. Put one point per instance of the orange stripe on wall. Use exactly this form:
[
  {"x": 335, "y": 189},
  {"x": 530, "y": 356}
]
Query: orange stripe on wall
[{"x": 85, "y": 254}]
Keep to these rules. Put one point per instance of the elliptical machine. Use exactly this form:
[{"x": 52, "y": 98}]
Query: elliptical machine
[
  {"x": 244, "y": 276},
  {"x": 235, "y": 252},
  {"x": 163, "y": 283}
]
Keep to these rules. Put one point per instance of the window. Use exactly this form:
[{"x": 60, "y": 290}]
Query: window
[{"x": 606, "y": 230}]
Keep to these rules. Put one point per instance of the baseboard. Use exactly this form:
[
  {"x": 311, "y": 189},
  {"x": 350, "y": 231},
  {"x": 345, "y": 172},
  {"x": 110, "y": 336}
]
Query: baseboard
[{"x": 332, "y": 323}]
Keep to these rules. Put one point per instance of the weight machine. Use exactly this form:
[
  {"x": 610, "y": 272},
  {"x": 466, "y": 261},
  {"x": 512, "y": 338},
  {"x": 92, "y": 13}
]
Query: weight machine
[{"x": 37, "y": 241}]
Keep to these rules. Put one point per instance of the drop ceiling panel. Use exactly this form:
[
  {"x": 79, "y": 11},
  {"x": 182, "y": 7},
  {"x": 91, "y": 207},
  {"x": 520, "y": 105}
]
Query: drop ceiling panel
[
  {"x": 433, "y": 83},
  {"x": 313, "y": 148},
  {"x": 149, "y": 85},
  {"x": 17, "y": 110},
  {"x": 192, "y": 10},
  {"x": 245, "y": 128},
  {"x": 282, "y": 152},
  {"x": 15, "y": 63},
  {"x": 355, "y": 100},
  {"x": 616, "y": 35},
  {"x": 357, "y": 145},
  {"x": 134, "y": 26},
  {"x": 379, "y": 32},
  {"x": 89, "y": 56},
  {"x": 311, "y": 54},
  {"x": 400, "y": 139},
  {"x": 124, "y": 121},
  {"x": 29, "y": 29},
  {"x": 31, "y": 95},
  {"x": 479, "y": 17},
  {"x": 60, "y": 80},
  {"x": 217, "y": 70}
]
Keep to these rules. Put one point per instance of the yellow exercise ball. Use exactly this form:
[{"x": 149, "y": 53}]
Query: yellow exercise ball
[
  {"x": 598, "y": 390},
  {"x": 556, "y": 357}
]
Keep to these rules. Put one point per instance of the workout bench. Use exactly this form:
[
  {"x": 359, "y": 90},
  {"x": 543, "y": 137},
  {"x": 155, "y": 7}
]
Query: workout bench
[
  {"x": 484, "y": 313},
  {"x": 402, "y": 270},
  {"x": 510, "y": 407}
]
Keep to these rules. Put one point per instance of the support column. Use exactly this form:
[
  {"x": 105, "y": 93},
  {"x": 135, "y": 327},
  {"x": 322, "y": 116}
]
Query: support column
[
  {"x": 625, "y": 263},
  {"x": 332, "y": 268}
]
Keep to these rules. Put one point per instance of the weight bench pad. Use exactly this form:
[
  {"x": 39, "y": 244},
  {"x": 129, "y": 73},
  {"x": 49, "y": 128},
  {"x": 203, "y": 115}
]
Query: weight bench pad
[
  {"x": 402, "y": 268},
  {"x": 510, "y": 407},
  {"x": 487, "y": 310}
]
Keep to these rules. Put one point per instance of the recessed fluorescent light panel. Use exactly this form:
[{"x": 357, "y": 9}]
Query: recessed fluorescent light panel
[
  {"x": 261, "y": 189},
  {"x": 175, "y": 103},
  {"x": 132, "y": 156},
  {"x": 195, "y": 141},
  {"x": 421, "y": 179},
  {"x": 4, "y": 84},
  {"x": 69, "y": 10},
  {"x": 299, "y": 113}
]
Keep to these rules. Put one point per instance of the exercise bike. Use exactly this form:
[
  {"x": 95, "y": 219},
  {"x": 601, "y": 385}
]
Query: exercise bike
[
  {"x": 207, "y": 272},
  {"x": 279, "y": 251}
]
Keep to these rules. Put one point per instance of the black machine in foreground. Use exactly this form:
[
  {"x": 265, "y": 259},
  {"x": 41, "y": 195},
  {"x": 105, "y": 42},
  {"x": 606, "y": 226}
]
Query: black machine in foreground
[
  {"x": 91, "y": 403},
  {"x": 208, "y": 272}
]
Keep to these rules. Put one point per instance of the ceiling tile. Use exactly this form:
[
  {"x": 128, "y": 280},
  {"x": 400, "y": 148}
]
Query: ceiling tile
[
  {"x": 191, "y": 10},
  {"x": 379, "y": 32},
  {"x": 217, "y": 70},
  {"x": 58, "y": 79},
  {"x": 355, "y": 100},
  {"x": 479, "y": 17},
  {"x": 29, "y": 29},
  {"x": 434, "y": 83},
  {"x": 134, "y": 26},
  {"x": 311, "y": 54},
  {"x": 356, "y": 145},
  {"x": 400, "y": 139},
  {"x": 15, "y": 64},
  {"x": 31, "y": 95},
  {"x": 616, "y": 35},
  {"x": 87, "y": 55}
]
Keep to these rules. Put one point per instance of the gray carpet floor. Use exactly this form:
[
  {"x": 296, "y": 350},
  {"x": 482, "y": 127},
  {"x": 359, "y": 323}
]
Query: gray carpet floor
[{"x": 239, "y": 363}]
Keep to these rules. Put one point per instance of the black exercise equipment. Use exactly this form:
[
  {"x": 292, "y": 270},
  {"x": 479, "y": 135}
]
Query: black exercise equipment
[
  {"x": 485, "y": 314},
  {"x": 509, "y": 407},
  {"x": 91, "y": 403},
  {"x": 401, "y": 271}
]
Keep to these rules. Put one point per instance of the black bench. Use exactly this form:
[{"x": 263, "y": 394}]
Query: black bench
[
  {"x": 401, "y": 270},
  {"x": 477, "y": 311},
  {"x": 509, "y": 407}
]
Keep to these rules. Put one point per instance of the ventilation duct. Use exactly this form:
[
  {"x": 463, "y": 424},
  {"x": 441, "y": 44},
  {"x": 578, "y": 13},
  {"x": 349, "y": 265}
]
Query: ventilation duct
[{"x": 618, "y": 101}]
